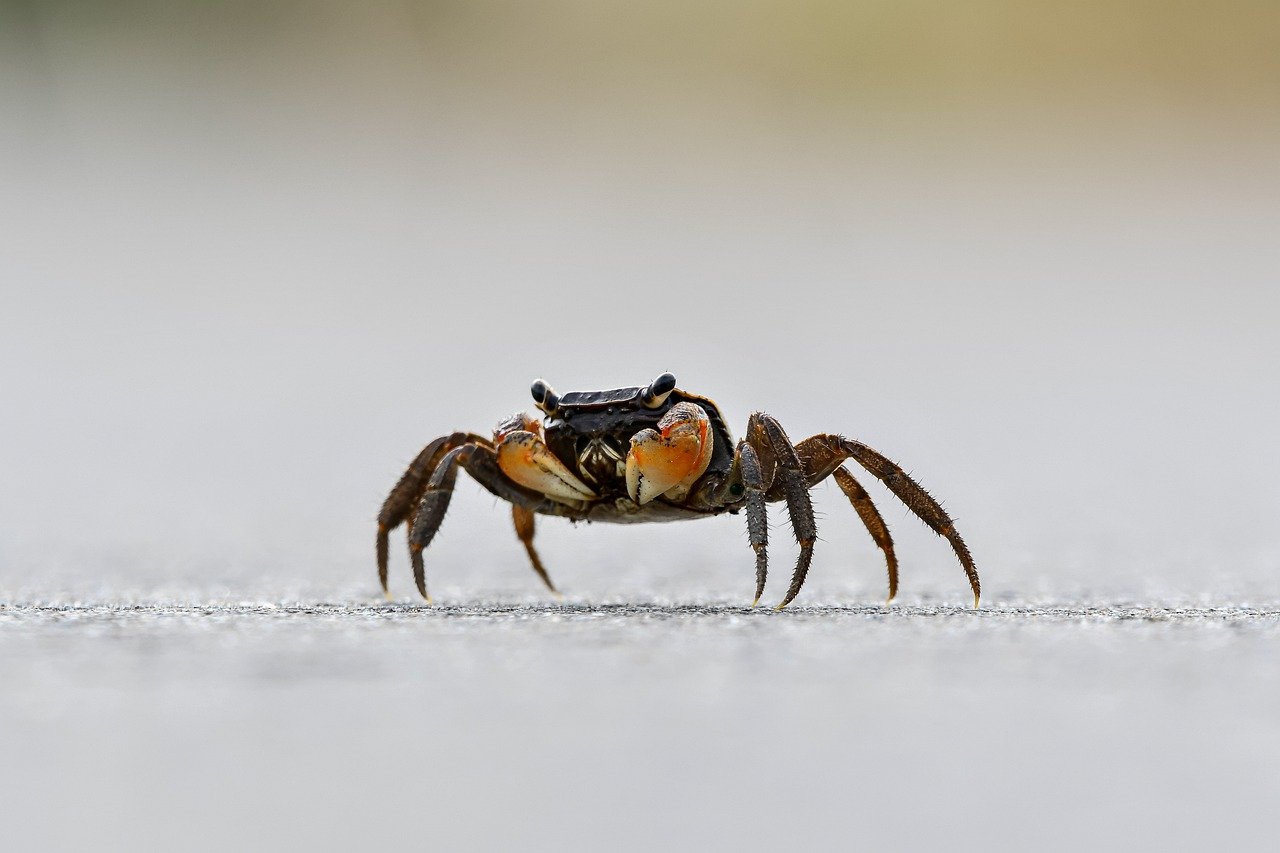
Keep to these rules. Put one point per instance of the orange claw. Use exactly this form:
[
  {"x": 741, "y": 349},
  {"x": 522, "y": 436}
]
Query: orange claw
[
  {"x": 671, "y": 461},
  {"x": 524, "y": 458},
  {"x": 517, "y": 422}
]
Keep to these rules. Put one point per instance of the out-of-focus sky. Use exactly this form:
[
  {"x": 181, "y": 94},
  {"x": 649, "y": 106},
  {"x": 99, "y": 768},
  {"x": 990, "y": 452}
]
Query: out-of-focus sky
[{"x": 254, "y": 255}]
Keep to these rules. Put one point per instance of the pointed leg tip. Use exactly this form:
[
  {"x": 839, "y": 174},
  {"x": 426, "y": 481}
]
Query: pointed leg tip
[
  {"x": 386, "y": 594},
  {"x": 976, "y": 605},
  {"x": 755, "y": 601}
]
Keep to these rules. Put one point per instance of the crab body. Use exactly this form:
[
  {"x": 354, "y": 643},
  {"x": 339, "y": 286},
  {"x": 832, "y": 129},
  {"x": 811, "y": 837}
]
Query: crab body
[
  {"x": 591, "y": 434},
  {"x": 644, "y": 454}
]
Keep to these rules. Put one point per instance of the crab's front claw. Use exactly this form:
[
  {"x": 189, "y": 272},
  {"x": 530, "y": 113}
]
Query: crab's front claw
[
  {"x": 524, "y": 458},
  {"x": 668, "y": 462}
]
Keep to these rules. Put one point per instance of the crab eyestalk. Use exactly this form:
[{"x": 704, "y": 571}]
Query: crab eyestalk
[
  {"x": 658, "y": 391},
  {"x": 546, "y": 399}
]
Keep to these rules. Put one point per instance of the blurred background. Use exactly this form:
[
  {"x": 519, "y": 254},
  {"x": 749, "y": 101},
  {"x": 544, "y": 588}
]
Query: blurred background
[{"x": 254, "y": 255}]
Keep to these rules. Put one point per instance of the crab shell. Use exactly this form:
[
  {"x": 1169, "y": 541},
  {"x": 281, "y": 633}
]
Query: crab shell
[{"x": 592, "y": 432}]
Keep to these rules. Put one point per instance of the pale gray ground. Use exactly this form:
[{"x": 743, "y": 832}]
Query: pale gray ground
[{"x": 352, "y": 725}]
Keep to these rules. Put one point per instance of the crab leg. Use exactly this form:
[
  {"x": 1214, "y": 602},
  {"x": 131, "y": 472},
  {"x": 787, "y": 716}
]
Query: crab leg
[
  {"x": 481, "y": 463},
  {"x": 822, "y": 454},
  {"x": 524, "y": 521},
  {"x": 872, "y": 520},
  {"x": 757, "y": 514},
  {"x": 402, "y": 503},
  {"x": 782, "y": 468}
]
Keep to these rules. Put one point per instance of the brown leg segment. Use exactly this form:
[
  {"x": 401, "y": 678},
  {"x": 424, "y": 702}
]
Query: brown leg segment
[
  {"x": 873, "y": 521},
  {"x": 481, "y": 463},
  {"x": 523, "y": 519},
  {"x": 785, "y": 476},
  {"x": 402, "y": 504},
  {"x": 757, "y": 514},
  {"x": 823, "y": 454}
]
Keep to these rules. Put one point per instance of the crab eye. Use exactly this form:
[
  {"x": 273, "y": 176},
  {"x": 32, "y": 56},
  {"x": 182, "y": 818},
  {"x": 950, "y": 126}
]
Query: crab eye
[
  {"x": 546, "y": 399},
  {"x": 659, "y": 390}
]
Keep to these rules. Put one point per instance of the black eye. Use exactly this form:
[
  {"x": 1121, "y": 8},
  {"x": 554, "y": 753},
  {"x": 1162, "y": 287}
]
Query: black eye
[
  {"x": 663, "y": 384},
  {"x": 546, "y": 399},
  {"x": 736, "y": 489},
  {"x": 658, "y": 391}
]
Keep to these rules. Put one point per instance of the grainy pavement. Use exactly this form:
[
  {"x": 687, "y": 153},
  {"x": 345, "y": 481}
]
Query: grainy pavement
[{"x": 508, "y": 725}]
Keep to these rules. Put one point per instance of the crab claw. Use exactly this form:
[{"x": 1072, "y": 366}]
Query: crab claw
[
  {"x": 524, "y": 458},
  {"x": 515, "y": 423},
  {"x": 670, "y": 461}
]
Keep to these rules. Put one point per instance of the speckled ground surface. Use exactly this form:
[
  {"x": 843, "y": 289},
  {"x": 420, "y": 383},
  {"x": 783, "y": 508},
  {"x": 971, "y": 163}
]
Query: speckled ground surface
[{"x": 657, "y": 725}]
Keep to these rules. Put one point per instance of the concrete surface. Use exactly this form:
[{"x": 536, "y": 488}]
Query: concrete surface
[{"x": 658, "y": 725}]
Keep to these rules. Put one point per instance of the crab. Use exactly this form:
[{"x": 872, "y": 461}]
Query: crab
[{"x": 645, "y": 454}]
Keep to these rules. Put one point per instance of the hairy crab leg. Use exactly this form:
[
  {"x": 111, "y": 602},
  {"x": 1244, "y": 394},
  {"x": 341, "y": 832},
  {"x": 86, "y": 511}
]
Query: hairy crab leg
[
  {"x": 872, "y": 520},
  {"x": 757, "y": 514},
  {"x": 481, "y": 462},
  {"x": 403, "y": 501},
  {"x": 524, "y": 522},
  {"x": 824, "y": 453},
  {"x": 779, "y": 456}
]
